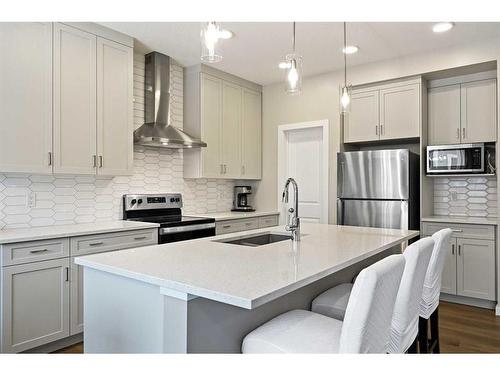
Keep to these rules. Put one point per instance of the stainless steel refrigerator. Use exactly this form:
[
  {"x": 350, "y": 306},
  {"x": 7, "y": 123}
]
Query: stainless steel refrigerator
[{"x": 378, "y": 188}]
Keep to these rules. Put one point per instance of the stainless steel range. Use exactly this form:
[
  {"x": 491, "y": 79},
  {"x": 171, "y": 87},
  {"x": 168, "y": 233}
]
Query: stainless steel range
[{"x": 166, "y": 210}]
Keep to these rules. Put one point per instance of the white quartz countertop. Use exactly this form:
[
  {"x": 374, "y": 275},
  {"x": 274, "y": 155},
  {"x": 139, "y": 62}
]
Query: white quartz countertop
[
  {"x": 70, "y": 230},
  {"x": 461, "y": 220},
  {"x": 233, "y": 215},
  {"x": 248, "y": 276}
]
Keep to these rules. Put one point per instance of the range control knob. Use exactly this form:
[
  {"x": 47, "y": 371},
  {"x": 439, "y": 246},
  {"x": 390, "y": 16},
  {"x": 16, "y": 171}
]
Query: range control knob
[
  {"x": 133, "y": 201},
  {"x": 139, "y": 201},
  {"x": 172, "y": 200}
]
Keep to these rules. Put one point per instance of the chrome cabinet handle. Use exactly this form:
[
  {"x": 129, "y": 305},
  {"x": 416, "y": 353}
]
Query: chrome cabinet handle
[
  {"x": 226, "y": 226},
  {"x": 458, "y": 133},
  {"x": 96, "y": 243},
  {"x": 457, "y": 230},
  {"x": 94, "y": 161},
  {"x": 67, "y": 273},
  {"x": 452, "y": 249},
  {"x": 39, "y": 251},
  {"x": 459, "y": 248},
  {"x": 100, "y": 161},
  {"x": 463, "y": 133},
  {"x": 376, "y": 129},
  {"x": 50, "y": 157},
  {"x": 140, "y": 238},
  {"x": 381, "y": 129}
]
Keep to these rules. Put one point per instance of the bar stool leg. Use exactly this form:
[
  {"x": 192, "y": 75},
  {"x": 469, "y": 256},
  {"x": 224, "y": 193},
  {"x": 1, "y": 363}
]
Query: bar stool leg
[
  {"x": 413, "y": 347},
  {"x": 435, "y": 331},
  {"x": 423, "y": 339}
]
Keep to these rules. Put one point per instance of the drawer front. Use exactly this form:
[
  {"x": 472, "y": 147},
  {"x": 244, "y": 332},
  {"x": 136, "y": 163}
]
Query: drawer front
[
  {"x": 113, "y": 241},
  {"x": 268, "y": 221},
  {"x": 230, "y": 226},
  {"x": 34, "y": 251},
  {"x": 482, "y": 232}
]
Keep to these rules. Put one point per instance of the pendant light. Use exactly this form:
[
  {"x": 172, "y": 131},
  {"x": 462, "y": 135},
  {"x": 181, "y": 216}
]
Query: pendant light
[
  {"x": 293, "y": 70},
  {"x": 345, "y": 96},
  {"x": 211, "y": 33}
]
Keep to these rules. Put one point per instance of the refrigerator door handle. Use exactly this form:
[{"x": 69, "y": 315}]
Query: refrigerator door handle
[{"x": 340, "y": 212}]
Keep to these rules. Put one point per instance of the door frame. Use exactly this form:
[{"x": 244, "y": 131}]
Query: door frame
[{"x": 282, "y": 130}]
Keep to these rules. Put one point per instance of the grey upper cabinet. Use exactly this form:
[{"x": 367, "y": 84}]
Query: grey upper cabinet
[
  {"x": 462, "y": 113},
  {"x": 35, "y": 300},
  {"x": 226, "y": 112},
  {"x": 384, "y": 112},
  {"x": 444, "y": 115},
  {"x": 75, "y": 96},
  {"x": 26, "y": 97},
  {"x": 67, "y": 93}
]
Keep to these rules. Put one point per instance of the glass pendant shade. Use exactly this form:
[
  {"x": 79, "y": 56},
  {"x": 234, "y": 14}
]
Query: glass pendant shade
[
  {"x": 293, "y": 78},
  {"x": 345, "y": 99},
  {"x": 210, "y": 44}
]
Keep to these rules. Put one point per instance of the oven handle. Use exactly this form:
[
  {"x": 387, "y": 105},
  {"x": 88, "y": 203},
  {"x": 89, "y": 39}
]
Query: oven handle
[{"x": 186, "y": 228}]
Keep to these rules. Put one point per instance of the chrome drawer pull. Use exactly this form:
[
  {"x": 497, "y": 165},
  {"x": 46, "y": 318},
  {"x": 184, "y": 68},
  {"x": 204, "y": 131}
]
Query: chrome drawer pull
[
  {"x": 96, "y": 243},
  {"x": 39, "y": 251},
  {"x": 457, "y": 230},
  {"x": 226, "y": 226},
  {"x": 140, "y": 238}
]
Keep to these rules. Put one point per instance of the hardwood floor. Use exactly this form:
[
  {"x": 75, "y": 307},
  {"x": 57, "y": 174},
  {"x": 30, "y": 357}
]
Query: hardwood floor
[{"x": 462, "y": 329}]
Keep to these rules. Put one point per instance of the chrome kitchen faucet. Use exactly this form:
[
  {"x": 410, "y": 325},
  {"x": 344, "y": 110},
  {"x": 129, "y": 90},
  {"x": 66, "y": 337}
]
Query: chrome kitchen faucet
[{"x": 293, "y": 220}]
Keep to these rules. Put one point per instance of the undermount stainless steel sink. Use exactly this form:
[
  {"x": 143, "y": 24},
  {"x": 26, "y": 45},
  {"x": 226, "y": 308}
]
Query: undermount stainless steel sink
[{"x": 257, "y": 240}]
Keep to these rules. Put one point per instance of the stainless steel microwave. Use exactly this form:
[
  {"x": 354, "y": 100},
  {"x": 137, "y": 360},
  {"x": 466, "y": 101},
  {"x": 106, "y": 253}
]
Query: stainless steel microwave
[{"x": 456, "y": 159}]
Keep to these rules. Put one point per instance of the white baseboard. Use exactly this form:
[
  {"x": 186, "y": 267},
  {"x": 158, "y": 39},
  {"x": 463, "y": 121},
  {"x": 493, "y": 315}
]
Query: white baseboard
[
  {"x": 56, "y": 345},
  {"x": 497, "y": 310},
  {"x": 470, "y": 301}
]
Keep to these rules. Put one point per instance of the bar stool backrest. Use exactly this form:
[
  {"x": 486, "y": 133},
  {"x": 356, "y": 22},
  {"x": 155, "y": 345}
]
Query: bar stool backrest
[{"x": 368, "y": 316}]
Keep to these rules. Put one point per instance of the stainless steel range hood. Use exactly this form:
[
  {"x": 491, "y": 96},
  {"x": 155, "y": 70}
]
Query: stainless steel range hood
[{"x": 157, "y": 130}]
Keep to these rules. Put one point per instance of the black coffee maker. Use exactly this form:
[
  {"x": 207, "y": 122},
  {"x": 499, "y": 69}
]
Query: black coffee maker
[{"x": 241, "y": 201}]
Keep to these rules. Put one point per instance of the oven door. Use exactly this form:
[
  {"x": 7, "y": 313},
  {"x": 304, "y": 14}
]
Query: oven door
[
  {"x": 186, "y": 232},
  {"x": 454, "y": 159}
]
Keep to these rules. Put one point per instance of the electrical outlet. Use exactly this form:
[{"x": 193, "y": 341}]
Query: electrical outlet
[{"x": 31, "y": 199}]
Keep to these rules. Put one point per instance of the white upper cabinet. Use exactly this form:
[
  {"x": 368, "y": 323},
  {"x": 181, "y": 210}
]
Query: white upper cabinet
[
  {"x": 67, "y": 93},
  {"x": 479, "y": 111},
  {"x": 444, "y": 115},
  {"x": 362, "y": 121},
  {"x": 26, "y": 97},
  {"x": 400, "y": 112},
  {"x": 75, "y": 138},
  {"x": 226, "y": 113},
  {"x": 251, "y": 133},
  {"x": 389, "y": 111},
  {"x": 463, "y": 112},
  {"x": 114, "y": 108},
  {"x": 231, "y": 130}
]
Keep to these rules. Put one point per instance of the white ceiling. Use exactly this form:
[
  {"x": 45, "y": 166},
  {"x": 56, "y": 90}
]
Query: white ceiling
[{"x": 257, "y": 47}]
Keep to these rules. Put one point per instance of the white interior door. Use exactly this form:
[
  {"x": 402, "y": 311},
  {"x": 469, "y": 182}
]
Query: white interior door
[{"x": 303, "y": 155}]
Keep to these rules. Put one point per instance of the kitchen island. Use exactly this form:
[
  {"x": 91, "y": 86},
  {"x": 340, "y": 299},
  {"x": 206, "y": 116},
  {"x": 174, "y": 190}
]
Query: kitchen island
[{"x": 205, "y": 295}]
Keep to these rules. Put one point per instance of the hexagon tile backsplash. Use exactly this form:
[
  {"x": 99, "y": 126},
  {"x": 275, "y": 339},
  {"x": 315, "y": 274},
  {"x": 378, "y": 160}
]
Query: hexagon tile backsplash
[{"x": 465, "y": 196}]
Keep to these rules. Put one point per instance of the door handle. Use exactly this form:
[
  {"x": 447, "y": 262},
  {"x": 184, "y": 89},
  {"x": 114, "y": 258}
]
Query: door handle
[
  {"x": 381, "y": 129},
  {"x": 463, "y": 133},
  {"x": 39, "y": 251},
  {"x": 452, "y": 249},
  {"x": 67, "y": 273},
  {"x": 94, "y": 161},
  {"x": 140, "y": 238},
  {"x": 376, "y": 129},
  {"x": 100, "y": 161},
  {"x": 459, "y": 248},
  {"x": 96, "y": 243},
  {"x": 50, "y": 157},
  {"x": 458, "y": 133}
]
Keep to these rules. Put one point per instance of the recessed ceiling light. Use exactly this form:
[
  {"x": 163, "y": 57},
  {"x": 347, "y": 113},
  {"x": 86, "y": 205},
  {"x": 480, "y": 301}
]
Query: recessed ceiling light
[
  {"x": 349, "y": 50},
  {"x": 441, "y": 27},
  {"x": 284, "y": 65},
  {"x": 225, "y": 34}
]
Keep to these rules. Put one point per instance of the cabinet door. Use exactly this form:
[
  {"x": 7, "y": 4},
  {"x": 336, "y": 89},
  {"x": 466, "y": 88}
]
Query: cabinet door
[
  {"x": 251, "y": 132},
  {"x": 479, "y": 111},
  {"x": 35, "y": 304},
  {"x": 362, "y": 121},
  {"x": 74, "y": 100},
  {"x": 231, "y": 129},
  {"x": 400, "y": 112},
  {"x": 76, "y": 297},
  {"x": 211, "y": 123},
  {"x": 476, "y": 268},
  {"x": 444, "y": 115},
  {"x": 449, "y": 275},
  {"x": 114, "y": 108},
  {"x": 26, "y": 97}
]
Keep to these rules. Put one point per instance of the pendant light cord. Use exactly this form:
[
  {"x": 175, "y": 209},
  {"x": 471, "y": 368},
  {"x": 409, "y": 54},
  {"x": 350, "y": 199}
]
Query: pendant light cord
[
  {"x": 293, "y": 38},
  {"x": 345, "y": 56}
]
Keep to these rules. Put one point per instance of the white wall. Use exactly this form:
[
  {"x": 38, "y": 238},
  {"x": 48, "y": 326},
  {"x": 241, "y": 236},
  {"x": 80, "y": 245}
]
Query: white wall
[{"x": 319, "y": 100}]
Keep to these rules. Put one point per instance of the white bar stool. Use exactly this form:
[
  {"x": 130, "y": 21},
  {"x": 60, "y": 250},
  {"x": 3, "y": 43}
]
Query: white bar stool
[
  {"x": 429, "y": 302},
  {"x": 365, "y": 328},
  {"x": 405, "y": 319}
]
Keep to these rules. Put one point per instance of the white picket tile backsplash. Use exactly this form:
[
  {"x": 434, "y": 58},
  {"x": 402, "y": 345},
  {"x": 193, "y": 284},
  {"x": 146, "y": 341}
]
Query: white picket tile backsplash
[
  {"x": 465, "y": 196},
  {"x": 86, "y": 199}
]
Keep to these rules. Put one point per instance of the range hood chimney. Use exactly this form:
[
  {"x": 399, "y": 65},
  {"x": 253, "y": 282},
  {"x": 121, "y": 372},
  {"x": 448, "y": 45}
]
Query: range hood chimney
[{"x": 157, "y": 130}]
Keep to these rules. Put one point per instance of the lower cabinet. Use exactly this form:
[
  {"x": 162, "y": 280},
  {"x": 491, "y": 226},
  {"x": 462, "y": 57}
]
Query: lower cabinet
[
  {"x": 76, "y": 320},
  {"x": 35, "y": 301},
  {"x": 240, "y": 225},
  {"x": 469, "y": 269}
]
